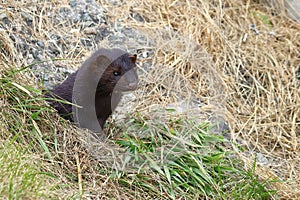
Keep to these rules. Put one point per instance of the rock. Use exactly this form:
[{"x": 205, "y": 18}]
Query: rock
[
  {"x": 90, "y": 30},
  {"x": 2, "y": 16},
  {"x": 261, "y": 159},
  {"x": 86, "y": 17},
  {"x": 145, "y": 54},
  {"x": 40, "y": 44},
  {"x": 73, "y": 3},
  {"x": 82, "y": 11},
  {"x": 28, "y": 18},
  {"x": 88, "y": 24},
  {"x": 138, "y": 17},
  {"x": 34, "y": 52}
]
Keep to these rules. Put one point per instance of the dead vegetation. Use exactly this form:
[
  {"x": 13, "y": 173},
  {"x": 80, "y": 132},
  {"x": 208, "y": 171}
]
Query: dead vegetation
[
  {"x": 237, "y": 59},
  {"x": 256, "y": 66}
]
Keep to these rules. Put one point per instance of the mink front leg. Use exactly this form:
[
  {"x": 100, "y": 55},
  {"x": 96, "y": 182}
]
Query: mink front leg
[{"x": 105, "y": 105}]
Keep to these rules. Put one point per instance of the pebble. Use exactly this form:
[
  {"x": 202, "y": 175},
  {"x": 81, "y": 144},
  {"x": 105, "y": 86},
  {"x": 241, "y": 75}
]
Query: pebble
[
  {"x": 90, "y": 30},
  {"x": 145, "y": 54},
  {"x": 34, "y": 52},
  {"x": 86, "y": 17},
  {"x": 73, "y": 3},
  {"x": 2, "y": 16},
  {"x": 28, "y": 18},
  {"x": 89, "y": 23},
  {"x": 137, "y": 17},
  {"x": 261, "y": 158},
  {"x": 40, "y": 44}
]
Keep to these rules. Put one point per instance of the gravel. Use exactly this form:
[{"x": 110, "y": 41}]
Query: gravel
[{"x": 84, "y": 17}]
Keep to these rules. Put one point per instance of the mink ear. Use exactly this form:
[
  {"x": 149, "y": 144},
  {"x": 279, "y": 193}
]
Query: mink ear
[
  {"x": 100, "y": 62},
  {"x": 133, "y": 57}
]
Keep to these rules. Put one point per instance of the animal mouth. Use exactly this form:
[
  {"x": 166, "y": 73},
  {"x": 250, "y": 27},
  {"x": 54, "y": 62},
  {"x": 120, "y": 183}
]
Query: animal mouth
[{"x": 125, "y": 88}]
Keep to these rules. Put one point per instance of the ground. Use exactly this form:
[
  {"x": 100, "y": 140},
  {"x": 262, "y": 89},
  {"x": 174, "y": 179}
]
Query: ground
[{"x": 229, "y": 63}]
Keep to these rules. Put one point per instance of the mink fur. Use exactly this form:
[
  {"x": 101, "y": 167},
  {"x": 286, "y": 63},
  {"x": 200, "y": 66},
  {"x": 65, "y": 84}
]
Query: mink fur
[{"x": 96, "y": 87}]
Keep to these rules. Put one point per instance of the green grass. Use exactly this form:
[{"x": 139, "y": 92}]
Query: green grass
[
  {"x": 21, "y": 111},
  {"x": 21, "y": 176},
  {"x": 263, "y": 17},
  {"x": 23, "y": 145},
  {"x": 181, "y": 159},
  {"x": 173, "y": 158}
]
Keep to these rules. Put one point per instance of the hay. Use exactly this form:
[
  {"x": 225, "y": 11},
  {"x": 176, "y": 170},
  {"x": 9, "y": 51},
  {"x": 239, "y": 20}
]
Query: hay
[
  {"x": 206, "y": 60},
  {"x": 257, "y": 67}
]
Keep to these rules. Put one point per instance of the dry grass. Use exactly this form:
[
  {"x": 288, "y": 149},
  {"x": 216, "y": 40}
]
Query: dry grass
[
  {"x": 205, "y": 54},
  {"x": 257, "y": 71}
]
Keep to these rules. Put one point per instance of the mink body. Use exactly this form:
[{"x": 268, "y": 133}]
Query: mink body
[{"x": 97, "y": 87}]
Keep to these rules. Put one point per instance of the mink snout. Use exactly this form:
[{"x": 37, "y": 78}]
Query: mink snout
[{"x": 118, "y": 73}]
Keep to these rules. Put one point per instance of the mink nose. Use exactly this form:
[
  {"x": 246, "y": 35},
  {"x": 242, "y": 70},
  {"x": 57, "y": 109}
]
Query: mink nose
[{"x": 132, "y": 85}]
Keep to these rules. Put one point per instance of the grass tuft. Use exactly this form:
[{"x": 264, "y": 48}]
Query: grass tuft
[
  {"x": 235, "y": 62},
  {"x": 21, "y": 175},
  {"x": 186, "y": 162}
]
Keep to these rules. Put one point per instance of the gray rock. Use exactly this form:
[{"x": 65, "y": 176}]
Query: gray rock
[
  {"x": 261, "y": 159},
  {"x": 28, "y": 18},
  {"x": 73, "y": 3},
  {"x": 2, "y": 16},
  {"x": 86, "y": 16},
  {"x": 40, "y": 43}
]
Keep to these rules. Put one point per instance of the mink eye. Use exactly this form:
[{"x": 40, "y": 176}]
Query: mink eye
[{"x": 116, "y": 73}]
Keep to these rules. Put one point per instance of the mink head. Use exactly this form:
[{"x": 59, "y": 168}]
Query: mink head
[{"x": 120, "y": 75}]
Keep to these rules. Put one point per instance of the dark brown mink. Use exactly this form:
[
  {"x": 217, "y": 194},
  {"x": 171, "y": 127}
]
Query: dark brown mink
[{"x": 95, "y": 89}]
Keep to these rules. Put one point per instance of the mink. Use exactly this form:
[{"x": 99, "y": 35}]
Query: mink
[{"x": 95, "y": 89}]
